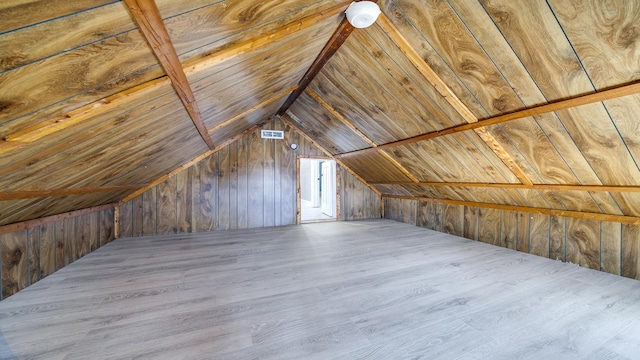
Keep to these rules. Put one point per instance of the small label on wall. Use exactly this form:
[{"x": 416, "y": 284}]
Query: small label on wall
[{"x": 272, "y": 134}]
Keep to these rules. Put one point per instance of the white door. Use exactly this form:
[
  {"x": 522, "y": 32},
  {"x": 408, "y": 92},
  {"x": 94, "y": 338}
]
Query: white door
[{"x": 328, "y": 194}]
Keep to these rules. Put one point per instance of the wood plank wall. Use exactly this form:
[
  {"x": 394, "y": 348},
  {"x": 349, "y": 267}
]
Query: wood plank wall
[
  {"x": 601, "y": 245},
  {"x": 35, "y": 253},
  {"x": 247, "y": 184}
]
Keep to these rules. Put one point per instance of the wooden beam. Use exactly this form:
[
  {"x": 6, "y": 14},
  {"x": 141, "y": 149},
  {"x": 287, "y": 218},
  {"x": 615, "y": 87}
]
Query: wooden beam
[
  {"x": 432, "y": 77},
  {"x": 336, "y": 40},
  {"x": 552, "y": 187},
  {"x": 6, "y": 229},
  {"x": 33, "y": 133},
  {"x": 253, "y": 108},
  {"x": 28, "y": 135},
  {"x": 31, "y": 194},
  {"x": 398, "y": 165},
  {"x": 339, "y": 116},
  {"x": 571, "y": 214},
  {"x": 149, "y": 20},
  {"x": 233, "y": 50},
  {"x": 310, "y": 139},
  {"x": 614, "y": 93},
  {"x": 502, "y": 154}
]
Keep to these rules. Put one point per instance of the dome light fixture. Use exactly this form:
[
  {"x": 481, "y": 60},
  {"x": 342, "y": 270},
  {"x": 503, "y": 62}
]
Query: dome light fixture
[{"x": 362, "y": 14}]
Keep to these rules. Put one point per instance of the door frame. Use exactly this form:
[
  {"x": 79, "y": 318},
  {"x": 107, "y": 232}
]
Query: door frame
[{"x": 298, "y": 191}]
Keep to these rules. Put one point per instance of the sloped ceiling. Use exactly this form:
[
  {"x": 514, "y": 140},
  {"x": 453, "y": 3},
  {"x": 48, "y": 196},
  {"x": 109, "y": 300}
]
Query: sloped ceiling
[{"x": 88, "y": 114}]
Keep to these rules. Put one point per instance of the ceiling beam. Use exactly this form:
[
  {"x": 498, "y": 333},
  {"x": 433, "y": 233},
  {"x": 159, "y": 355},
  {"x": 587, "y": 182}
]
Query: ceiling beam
[
  {"x": 613, "y": 93},
  {"x": 336, "y": 40},
  {"x": 432, "y": 77},
  {"x": 571, "y": 214},
  {"x": 429, "y": 74},
  {"x": 362, "y": 135},
  {"x": 6, "y": 229},
  {"x": 33, "y": 133},
  {"x": 398, "y": 166},
  {"x": 31, "y": 194},
  {"x": 556, "y": 187},
  {"x": 149, "y": 20},
  {"x": 339, "y": 116}
]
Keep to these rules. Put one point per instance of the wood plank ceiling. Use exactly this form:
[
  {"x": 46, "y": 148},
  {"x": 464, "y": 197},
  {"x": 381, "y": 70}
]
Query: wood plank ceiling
[{"x": 445, "y": 99}]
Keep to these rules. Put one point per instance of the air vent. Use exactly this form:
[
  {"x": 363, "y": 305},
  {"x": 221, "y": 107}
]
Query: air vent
[{"x": 272, "y": 134}]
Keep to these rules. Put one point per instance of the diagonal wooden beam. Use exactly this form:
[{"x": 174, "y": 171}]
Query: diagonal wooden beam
[
  {"x": 336, "y": 40},
  {"x": 432, "y": 77},
  {"x": 553, "y": 187},
  {"x": 398, "y": 165},
  {"x": 147, "y": 15},
  {"x": 429, "y": 74},
  {"x": 9, "y": 142},
  {"x": 33, "y": 133},
  {"x": 31, "y": 194},
  {"x": 339, "y": 116},
  {"x": 348, "y": 123},
  {"x": 614, "y": 93},
  {"x": 566, "y": 213}
]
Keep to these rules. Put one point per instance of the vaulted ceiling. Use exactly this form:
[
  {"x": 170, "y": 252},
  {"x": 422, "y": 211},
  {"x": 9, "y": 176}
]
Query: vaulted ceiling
[{"x": 442, "y": 99}]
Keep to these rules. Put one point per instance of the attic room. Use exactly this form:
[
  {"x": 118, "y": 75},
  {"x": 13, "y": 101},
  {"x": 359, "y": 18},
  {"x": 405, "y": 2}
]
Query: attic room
[{"x": 478, "y": 160}]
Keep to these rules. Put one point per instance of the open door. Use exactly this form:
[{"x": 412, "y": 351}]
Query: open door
[
  {"x": 327, "y": 187},
  {"x": 317, "y": 197}
]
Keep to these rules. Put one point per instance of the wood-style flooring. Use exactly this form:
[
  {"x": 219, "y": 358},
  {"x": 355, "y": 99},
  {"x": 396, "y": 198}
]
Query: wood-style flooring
[{"x": 374, "y": 289}]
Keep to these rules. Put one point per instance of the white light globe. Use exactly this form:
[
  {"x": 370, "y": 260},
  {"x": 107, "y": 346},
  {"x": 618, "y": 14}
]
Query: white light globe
[{"x": 362, "y": 14}]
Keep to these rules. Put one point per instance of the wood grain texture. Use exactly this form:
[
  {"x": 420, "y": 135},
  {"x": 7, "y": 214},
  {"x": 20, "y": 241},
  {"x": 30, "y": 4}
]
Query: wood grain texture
[
  {"x": 334, "y": 43},
  {"x": 248, "y": 183},
  {"x": 610, "y": 243},
  {"x": 16, "y": 14},
  {"x": 149, "y": 20},
  {"x": 508, "y": 229},
  {"x": 14, "y": 262},
  {"x": 31, "y": 43},
  {"x": 631, "y": 251},
  {"x": 47, "y": 250},
  {"x": 322, "y": 125},
  {"x": 557, "y": 238},
  {"x": 604, "y": 38},
  {"x": 167, "y": 206},
  {"x": 471, "y": 222},
  {"x": 453, "y": 220},
  {"x": 489, "y": 226},
  {"x": 539, "y": 235},
  {"x": 583, "y": 242}
]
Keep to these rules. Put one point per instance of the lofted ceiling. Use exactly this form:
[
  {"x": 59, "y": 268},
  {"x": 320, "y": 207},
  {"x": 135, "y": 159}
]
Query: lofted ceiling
[{"x": 439, "y": 99}]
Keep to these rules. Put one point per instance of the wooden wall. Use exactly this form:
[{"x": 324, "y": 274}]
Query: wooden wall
[
  {"x": 601, "y": 245},
  {"x": 247, "y": 184},
  {"x": 36, "y": 252}
]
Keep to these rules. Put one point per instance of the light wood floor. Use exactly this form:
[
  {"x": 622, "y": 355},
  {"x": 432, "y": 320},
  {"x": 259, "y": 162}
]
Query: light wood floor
[{"x": 347, "y": 290}]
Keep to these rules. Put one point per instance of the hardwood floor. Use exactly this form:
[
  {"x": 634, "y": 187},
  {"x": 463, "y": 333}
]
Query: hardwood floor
[{"x": 374, "y": 289}]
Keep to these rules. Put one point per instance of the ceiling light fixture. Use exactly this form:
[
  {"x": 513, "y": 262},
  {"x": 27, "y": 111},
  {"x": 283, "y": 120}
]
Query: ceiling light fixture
[{"x": 362, "y": 14}]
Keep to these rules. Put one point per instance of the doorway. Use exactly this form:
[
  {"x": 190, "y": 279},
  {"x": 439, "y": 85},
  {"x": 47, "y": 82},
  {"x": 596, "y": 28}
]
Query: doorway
[{"x": 317, "y": 190}]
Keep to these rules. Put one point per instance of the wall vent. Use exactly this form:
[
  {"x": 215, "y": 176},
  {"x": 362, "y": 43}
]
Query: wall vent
[{"x": 272, "y": 134}]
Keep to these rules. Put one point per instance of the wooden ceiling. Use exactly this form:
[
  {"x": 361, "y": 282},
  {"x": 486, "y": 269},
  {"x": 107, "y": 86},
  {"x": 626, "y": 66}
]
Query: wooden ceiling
[{"x": 438, "y": 99}]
